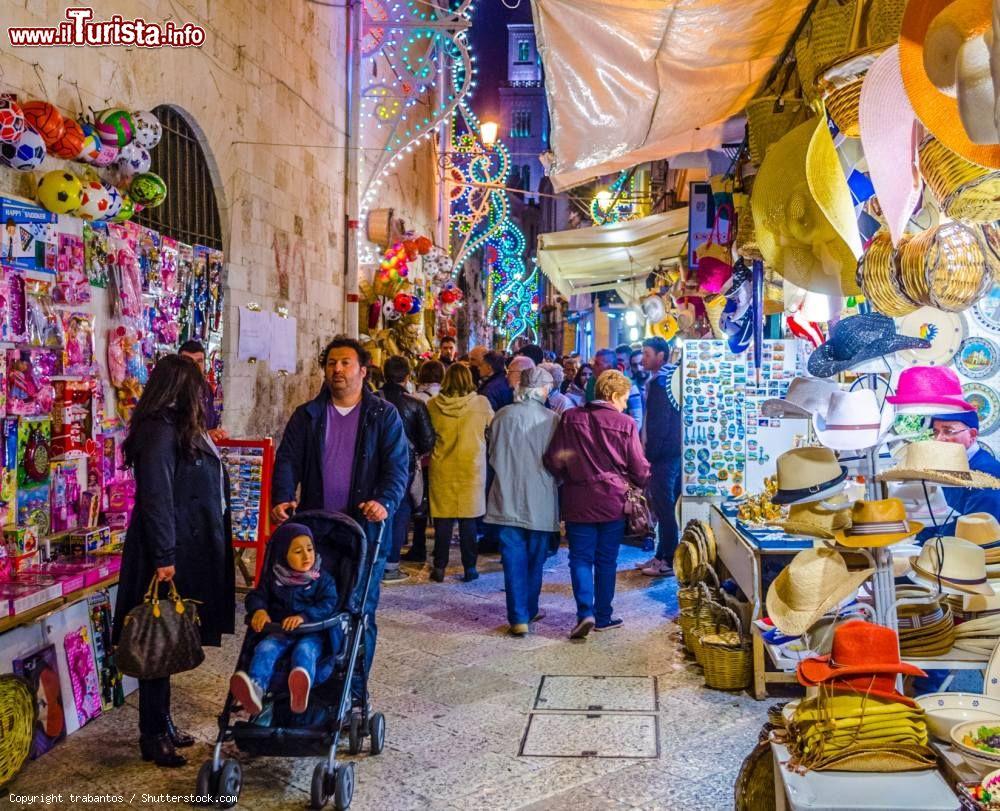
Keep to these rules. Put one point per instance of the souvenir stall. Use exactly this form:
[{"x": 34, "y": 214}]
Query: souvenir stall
[{"x": 89, "y": 300}]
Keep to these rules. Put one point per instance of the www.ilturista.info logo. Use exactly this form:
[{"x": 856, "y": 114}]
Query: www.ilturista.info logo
[{"x": 81, "y": 29}]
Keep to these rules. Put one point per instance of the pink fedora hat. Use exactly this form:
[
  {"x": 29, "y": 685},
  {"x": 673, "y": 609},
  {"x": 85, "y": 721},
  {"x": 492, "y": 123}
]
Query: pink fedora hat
[
  {"x": 929, "y": 389},
  {"x": 889, "y": 136}
]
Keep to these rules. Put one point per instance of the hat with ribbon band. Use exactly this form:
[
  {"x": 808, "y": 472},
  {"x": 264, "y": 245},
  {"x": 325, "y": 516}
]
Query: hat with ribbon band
[
  {"x": 941, "y": 462},
  {"x": 952, "y": 564},
  {"x": 877, "y": 523},
  {"x": 807, "y": 474},
  {"x": 853, "y": 421}
]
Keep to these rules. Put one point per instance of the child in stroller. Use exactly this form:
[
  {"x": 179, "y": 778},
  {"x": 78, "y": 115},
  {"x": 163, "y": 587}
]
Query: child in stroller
[{"x": 294, "y": 591}]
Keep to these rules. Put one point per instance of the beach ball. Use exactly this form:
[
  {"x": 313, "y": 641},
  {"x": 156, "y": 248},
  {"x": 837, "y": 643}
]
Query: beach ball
[
  {"x": 71, "y": 142},
  {"x": 26, "y": 154},
  {"x": 126, "y": 211},
  {"x": 45, "y": 118},
  {"x": 91, "y": 146},
  {"x": 96, "y": 201},
  {"x": 11, "y": 120},
  {"x": 60, "y": 191},
  {"x": 115, "y": 201},
  {"x": 147, "y": 129},
  {"x": 148, "y": 189},
  {"x": 132, "y": 160},
  {"x": 115, "y": 127}
]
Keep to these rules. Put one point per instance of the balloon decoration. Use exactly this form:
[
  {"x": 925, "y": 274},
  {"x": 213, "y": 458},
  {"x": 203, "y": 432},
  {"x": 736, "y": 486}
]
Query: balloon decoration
[
  {"x": 60, "y": 192},
  {"x": 12, "y": 121}
]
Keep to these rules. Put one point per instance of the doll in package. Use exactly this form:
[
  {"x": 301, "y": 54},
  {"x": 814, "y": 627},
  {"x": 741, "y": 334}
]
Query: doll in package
[
  {"x": 126, "y": 277},
  {"x": 29, "y": 381},
  {"x": 44, "y": 325},
  {"x": 71, "y": 285},
  {"x": 78, "y": 356},
  {"x": 126, "y": 367}
]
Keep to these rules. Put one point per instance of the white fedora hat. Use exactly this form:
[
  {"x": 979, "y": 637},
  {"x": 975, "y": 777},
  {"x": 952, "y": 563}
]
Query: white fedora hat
[
  {"x": 806, "y": 396},
  {"x": 853, "y": 420}
]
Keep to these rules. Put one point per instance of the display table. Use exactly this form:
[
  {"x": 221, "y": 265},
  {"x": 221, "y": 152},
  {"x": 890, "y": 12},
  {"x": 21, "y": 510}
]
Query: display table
[{"x": 856, "y": 791}]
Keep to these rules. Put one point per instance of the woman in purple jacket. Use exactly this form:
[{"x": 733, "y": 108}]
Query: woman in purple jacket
[{"x": 596, "y": 454}]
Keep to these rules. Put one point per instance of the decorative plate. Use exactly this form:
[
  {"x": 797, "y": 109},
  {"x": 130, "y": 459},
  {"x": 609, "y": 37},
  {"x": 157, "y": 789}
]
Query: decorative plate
[
  {"x": 944, "y": 330},
  {"x": 987, "y": 310},
  {"x": 978, "y": 358},
  {"x": 987, "y": 404}
]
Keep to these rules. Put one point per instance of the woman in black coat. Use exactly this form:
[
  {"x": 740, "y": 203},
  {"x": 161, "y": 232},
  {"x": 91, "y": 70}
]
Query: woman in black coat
[{"x": 179, "y": 531}]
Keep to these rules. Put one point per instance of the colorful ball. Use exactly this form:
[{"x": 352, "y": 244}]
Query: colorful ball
[
  {"x": 115, "y": 126},
  {"x": 68, "y": 146},
  {"x": 45, "y": 118},
  {"x": 115, "y": 201},
  {"x": 132, "y": 160},
  {"x": 415, "y": 306},
  {"x": 148, "y": 189},
  {"x": 25, "y": 155},
  {"x": 90, "y": 148},
  {"x": 96, "y": 201},
  {"x": 148, "y": 130},
  {"x": 127, "y": 210},
  {"x": 106, "y": 155},
  {"x": 60, "y": 191},
  {"x": 403, "y": 302},
  {"x": 12, "y": 121}
]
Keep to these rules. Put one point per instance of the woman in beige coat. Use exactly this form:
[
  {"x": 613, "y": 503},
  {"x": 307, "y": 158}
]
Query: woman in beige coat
[{"x": 458, "y": 467}]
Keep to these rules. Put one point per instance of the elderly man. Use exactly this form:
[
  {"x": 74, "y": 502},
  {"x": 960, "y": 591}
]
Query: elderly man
[
  {"x": 558, "y": 401},
  {"x": 523, "y": 500},
  {"x": 963, "y": 428}
]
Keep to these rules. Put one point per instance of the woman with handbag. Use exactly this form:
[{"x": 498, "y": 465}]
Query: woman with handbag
[
  {"x": 597, "y": 457},
  {"x": 179, "y": 533}
]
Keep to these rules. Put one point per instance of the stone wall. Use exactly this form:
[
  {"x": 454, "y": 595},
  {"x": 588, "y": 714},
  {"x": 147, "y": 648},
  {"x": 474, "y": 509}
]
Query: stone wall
[{"x": 267, "y": 93}]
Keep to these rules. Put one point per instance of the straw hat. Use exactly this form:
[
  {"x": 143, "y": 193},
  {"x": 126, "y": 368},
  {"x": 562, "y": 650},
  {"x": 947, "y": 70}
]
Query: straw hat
[
  {"x": 954, "y": 564},
  {"x": 942, "y": 462},
  {"x": 815, "y": 581},
  {"x": 807, "y": 474},
  {"x": 929, "y": 390},
  {"x": 804, "y": 213},
  {"x": 859, "y": 649},
  {"x": 853, "y": 420},
  {"x": 889, "y": 136},
  {"x": 983, "y": 530},
  {"x": 877, "y": 523},
  {"x": 805, "y": 396},
  {"x": 937, "y": 110},
  {"x": 667, "y": 328},
  {"x": 813, "y": 520}
]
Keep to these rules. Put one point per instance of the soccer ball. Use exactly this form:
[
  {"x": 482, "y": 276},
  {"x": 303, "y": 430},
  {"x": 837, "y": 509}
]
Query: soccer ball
[
  {"x": 60, "y": 191},
  {"x": 115, "y": 201},
  {"x": 45, "y": 118},
  {"x": 11, "y": 121},
  {"x": 148, "y": 130},
  {"x": 96, "y": 201},
  {"x": 25, "y": 155},
  {"x": 133, "y": 160},
  {"x": 115, "y": 127}
]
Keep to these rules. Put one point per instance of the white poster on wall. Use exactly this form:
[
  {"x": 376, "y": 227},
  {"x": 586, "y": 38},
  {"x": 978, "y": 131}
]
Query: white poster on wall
[
  {"x": 283, "y": 349},
  {"x": 253, "y": 337}
]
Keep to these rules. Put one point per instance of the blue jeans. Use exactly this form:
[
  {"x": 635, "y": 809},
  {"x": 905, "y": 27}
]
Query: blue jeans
[
  {"x": 523, "y": 552},
  {"x": 400, "y": 528},
  {"x": 306, "y": 651},
  {"x": 664, "y": 489},
  {"x": 593, "y": 566}
]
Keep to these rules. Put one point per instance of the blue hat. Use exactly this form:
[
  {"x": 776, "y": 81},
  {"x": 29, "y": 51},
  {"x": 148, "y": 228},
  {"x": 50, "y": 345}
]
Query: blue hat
[
  {"x": 969, "y": 418},
  {"x": 857, "y": 339}
]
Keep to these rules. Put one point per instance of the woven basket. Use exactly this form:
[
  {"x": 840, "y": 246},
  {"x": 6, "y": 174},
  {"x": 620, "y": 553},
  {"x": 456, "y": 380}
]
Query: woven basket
[
  {"x": 754, "y": 789},
  {"x": 947, "y": 267},
  {"x": 826, "y": 38},
  {"x": 745, "y": 242},
  {"x": 686, "y": 561},
  {"x": 885, "y": 18},
  {"x": 18, "y": 711},
  {"x": 688, "y": 596},
  {"x": 842, "y": 104},
  {"x": 726, "y": 655},
  {"x": 879, "y": 278},
  {"x": 963, "y": 190},
  {"x": 768, "y": 119}
]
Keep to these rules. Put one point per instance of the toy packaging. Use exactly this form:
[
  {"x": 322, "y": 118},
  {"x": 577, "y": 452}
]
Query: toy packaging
[
  {"x": 29, "y": 381},
  {"x": 34, "y": 438},
  {"x": 83, "y": 675},
  {"x": 89, "y": 541},
  {"x": 41, "y": 672},
  {"x": 72, "y": 418},
  {"x": 33, "y": 507},
  {"x": 71, "y": 285},
  {"x": 44, "y": 325},
  {"x": 66, "y": 491},
  {"x": 97, "y": 253},
  {"x": 78, "y": 353}
]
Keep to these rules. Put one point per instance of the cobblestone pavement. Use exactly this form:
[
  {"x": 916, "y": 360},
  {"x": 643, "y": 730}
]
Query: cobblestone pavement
[{"x": 457, "y": 693}]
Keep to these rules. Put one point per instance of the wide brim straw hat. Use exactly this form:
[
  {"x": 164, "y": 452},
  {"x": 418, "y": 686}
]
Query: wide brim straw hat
[
  {"x": 877, "y": 523},
  {"x": 953, "y": 563},
  {"x": 889, "y": 136},
  {"x": 937, "y": 111},
  {"x": 805, "y": 396},
  {"x": 812, "y": 520},
  {"x": 939, "y": 462},
  {"x": 804, "y": 213}
]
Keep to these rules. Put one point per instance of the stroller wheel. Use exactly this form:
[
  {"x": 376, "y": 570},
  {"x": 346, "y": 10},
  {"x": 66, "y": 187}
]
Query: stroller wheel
[
  {"x": 376, "y": 729},
  {"x": 318, "y": 793},
  {"x": 229, "y": 784},
  {"x": 355, "y": 735},
  {"x": 343, "y": 791},
  {"x": 203, "y": 787}
]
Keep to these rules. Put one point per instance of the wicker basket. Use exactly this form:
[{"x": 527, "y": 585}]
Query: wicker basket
[
  {"x": 745, "y": 243},
  {"x": 826, "y": 38},
  {"x": 948, "y": 267},
  {"x": 18, "y": 711},
  {"x": 842, "y": 103},
  {"x": 686, "y": 562},
  {"x": 879, "y": 278},
  {"x": 963, "y": 190},
  {"x": 754, "y": 789},
  {"x": 726, "y": 655},
  {"x": 885, "y": 18},
  {"x": 768, "y": 119},
  {"x": 688, "y": 596}
]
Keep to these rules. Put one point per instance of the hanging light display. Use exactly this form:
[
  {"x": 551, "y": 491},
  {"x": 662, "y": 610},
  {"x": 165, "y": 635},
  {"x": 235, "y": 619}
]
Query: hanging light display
[{"x": 613, "y": 204}]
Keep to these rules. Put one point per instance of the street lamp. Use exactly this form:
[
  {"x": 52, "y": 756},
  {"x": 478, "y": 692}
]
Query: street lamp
[{"x": 488, "y": 131}]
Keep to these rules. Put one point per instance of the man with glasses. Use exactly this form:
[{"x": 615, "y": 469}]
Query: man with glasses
[{"x": 963, "y": 428}]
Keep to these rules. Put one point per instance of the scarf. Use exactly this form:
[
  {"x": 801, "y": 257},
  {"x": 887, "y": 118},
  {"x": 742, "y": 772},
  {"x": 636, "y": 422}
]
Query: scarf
[{"x": 289, "y": 577}]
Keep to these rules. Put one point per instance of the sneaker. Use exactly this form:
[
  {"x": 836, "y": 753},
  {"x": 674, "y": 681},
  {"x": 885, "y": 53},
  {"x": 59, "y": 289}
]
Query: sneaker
[
  {"x": 394, "y": 575},
  {"x": 246, "y": 691},
  {"x": 519, "y": 629},
  {"x": 539, "y": 616},
  {"x": 582, "y": 628},
  {"x": 298, "y": 689},
  {"x": 412, "y": 555},
  {"x": 470, "y": 575},
  {"x": 437, "y": 575},
  {"x": 646, "y": 564},
  {"x": 610, "y": 625},
  {"x": 658, "y": 569}
]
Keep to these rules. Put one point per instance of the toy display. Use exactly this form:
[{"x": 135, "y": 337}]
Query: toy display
[
  {"x": 83, "y": 675},
  {"x": 66, "y": 493},
  {"x": 60, "y": 191},
  {"x": 78, "y": 353},
  {"x": 112, "y": 694},
  {"x": 29, "y": 381},
  {"x": 71, "y": 278},
  {"x": 41, "y": 672}
]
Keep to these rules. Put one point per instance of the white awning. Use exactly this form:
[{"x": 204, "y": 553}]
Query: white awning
[
  {"x": 630, "y": 81},
  {"x": 608, "y": 257}
]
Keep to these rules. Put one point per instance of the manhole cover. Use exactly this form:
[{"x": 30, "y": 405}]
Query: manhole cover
[
  {"x": 597, "y": 693},
  {"x": 581, "y": 735}
]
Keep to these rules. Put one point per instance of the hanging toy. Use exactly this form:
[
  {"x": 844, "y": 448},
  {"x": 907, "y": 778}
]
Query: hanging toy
[
  {"x": 390, "y": 312},
  {"x": 148, "y": 129},
  {"x": 96, "y": 201},
  {"x": 148, "y": 189},
  {"x": 106, "y": 155},
  {"x": 403, "y": 303},
  {"x": 12, "y": 121},
  {"x": 60, "y": 191},
  {"x": 45, "y": 118},
  {"x": 115, "y": 127},
  {"x": 69, "y": 145},
  {"x": 126, "y": 211},
  {"x": 90, "y": 149},
  {"x": 26, "y": 154},
  {"x": 132, "y": 160}
]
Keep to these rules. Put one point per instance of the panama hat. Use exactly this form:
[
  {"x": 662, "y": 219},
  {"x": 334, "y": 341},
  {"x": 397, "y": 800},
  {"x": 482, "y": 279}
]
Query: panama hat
[
  {"x": 814, "y": 520},
  {"x": 954, "y": 564},
  {"x": 983, "y": 530},
  {"x": 814, "y": 582},
  {"x": 929, "y": 390},
  {"x": 858, "y": 339},
  {"x": 941, "y": 462},
  {"x": 853, "y": 421},
  {"x": 889, "y": 136},
  {"x": 804, "y": 213},
  {"x": 807, "y": 474},
  {"x": 805, "y": 396},
  {"x": 877, "y": 523},
  {"x": 859, "y": 649},
  {"x": 937, "y": 111}
]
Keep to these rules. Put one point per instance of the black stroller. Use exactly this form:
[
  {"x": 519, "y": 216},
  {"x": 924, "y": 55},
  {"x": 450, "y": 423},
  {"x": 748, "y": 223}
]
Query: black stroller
[{"x": 276, "y": 731}]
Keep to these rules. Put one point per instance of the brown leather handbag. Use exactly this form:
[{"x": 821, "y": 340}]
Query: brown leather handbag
[
  {"x": 160, "y": 638},
  {"x": 639, "y": 521}
]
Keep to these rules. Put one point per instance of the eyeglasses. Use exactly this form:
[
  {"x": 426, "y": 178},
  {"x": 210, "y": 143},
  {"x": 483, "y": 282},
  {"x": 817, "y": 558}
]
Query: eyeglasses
[{"x": 948, "y": 432}]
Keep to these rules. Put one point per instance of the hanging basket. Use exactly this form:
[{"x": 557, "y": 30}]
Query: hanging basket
[
  {"x": 964, "y": 190},
  {"x": 879, "y": 277},
  {"x": 947, "y": 267},
  {"x": 18, "y": 710},
  {"x": 726, "y": 654},
  {"x": 826, "y": 38}
]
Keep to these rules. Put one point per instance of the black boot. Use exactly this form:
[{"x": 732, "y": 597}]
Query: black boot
[
  {"x": 160, "y": 750},
  {"x": 414, "y": 555},
  {"x": 178, "y": 737}
]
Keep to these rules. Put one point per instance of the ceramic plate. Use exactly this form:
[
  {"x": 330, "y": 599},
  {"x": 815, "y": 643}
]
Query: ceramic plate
[
  {"x": 944, "y": 330},
  {"x": 987, "y": 404},
  {"x": 978, "y": 358},
  {"x": 987, "y": 310},
  {"x": 945, "y": 710}
]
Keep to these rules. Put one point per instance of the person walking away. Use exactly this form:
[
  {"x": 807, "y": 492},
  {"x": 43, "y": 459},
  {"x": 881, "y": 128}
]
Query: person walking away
[
  {"x": 448, "y": 349},
  {"x": 664, "y": 446},
  {"x": 558, "y": 401},
  {"x": 458, "y": 468},
  {"x": 429, "y": 377},
  {"x": 518, "y": 364},
  {"x": 179, "y": 532},
  {"x": 523, "y": 500},
  {"x": 345, "y": 451},
  {"x": 577, "y": 390},
  {"x": 195, "y": 350},
  {"x": 596, "y": 455}
]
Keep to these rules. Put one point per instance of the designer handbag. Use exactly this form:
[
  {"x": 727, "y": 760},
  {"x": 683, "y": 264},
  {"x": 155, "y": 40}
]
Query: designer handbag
[
  {"x": 639, "y": 521},
  {"x": 160, "y": 639}
]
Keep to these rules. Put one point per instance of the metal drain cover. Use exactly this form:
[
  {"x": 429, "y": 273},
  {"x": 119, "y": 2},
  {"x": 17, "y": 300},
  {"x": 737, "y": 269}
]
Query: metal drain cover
[
  {"x": 597, "y": 693},
  {"x": 582, "y": 735}
]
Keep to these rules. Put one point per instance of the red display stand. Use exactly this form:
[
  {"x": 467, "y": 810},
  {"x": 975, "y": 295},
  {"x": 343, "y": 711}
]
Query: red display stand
[{"x": 251, "y": 464}]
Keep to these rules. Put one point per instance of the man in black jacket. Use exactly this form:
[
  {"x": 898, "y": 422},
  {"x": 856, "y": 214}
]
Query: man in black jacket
[
  {"x": 420, "y": 433},
  {"x": 345, "y": 451}
]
